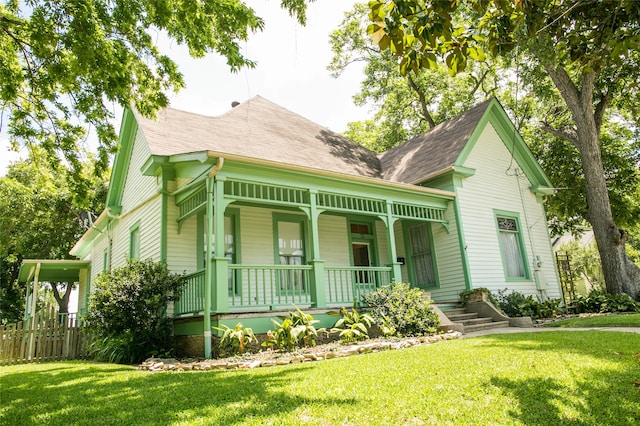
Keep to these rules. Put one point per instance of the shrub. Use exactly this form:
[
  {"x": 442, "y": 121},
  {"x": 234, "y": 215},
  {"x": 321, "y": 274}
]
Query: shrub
[
  {"x": 294, "y": 331},
  {"x": 516, "y": 304},
  {"x": 401, "y": 310},
  {"x": 600, "y": 302},
  {"x": 353, "y": 326},
  {"x": 235, "y": 340},
  {"x": 128, "y": 311}
]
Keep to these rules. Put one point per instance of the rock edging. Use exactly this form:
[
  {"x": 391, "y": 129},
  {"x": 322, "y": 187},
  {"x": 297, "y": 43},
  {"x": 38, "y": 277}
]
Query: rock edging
[{"x": 272, "y": 358}]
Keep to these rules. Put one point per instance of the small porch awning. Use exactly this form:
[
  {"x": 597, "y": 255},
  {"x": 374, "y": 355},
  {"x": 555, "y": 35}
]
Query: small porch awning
[{"x": 52, "y": 270}]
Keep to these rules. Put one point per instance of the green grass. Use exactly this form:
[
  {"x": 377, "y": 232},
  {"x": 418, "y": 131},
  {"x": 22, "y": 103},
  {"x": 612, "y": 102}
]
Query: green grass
[
  {"x": 620, "y": 320},
  {"x": 577, "y": 378}
]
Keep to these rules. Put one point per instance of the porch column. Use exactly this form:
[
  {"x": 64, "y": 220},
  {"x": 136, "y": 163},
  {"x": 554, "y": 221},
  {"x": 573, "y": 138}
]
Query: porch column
[
  {"x": 209, "y": 275},
  {"x": 220, "y": 294},
  {"x": 396, "y": 272},
  {"x": 318, "y": 293}
]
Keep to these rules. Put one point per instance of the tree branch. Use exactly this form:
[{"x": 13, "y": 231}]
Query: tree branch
[
  {"x": 601, "y": 106},
  {"x": 565, "y": 86},
  {"x": 567, "y": 134},
  {"x": 423, "y": 102}
]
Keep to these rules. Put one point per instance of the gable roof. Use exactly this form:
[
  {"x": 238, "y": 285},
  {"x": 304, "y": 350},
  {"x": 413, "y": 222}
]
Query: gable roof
[
  {"x": 446, "y": 147},
  {"x": 261, "y": 129},
  {"x": 431, "y": 152}
]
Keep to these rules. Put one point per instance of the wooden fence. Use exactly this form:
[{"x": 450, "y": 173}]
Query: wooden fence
[{"x": 48, "y": 336}]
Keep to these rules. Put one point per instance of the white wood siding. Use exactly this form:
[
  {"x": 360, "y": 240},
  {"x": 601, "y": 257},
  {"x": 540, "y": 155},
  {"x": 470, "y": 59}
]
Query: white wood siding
[
  {"x": 494, "y": 186},
  {"x": 148, "y": 217},
  {"x": 334, "y": 240},
  {"x": 181, "y": 247},
  {"x": 449, "y": 260},
  {"x": 97, "y": 257},
  {"x": 137, "y": 187}
]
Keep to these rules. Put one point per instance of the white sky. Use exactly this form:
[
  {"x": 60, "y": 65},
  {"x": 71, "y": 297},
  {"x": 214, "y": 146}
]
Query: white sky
[{"x": 291, "y": 71}]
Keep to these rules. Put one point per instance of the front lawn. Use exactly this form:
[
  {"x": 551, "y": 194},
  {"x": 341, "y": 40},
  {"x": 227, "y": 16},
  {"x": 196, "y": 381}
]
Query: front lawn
[
  {"x": 605, "y": 320},
  {"x": 584, "y": 378}
]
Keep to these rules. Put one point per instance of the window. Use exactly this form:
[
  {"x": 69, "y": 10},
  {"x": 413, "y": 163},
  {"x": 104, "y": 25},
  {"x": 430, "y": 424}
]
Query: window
[
  {"x": 134, "y": 241},
  {"x": 512, "y": 247},
  {"x": 421, "y": 263},
  {"x": 290, "y": 249},
  {"x": 231, "y": 244}
]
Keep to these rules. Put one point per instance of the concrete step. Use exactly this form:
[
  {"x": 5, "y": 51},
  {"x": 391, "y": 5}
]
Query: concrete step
[
  {"x": 455, "y": 311},
  {"x": 475, "y": 321},
  {"x": 461, "y": 317},
  {"x": 486, "y": 326}
]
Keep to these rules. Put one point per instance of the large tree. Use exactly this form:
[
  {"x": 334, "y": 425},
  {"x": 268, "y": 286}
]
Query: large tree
[
  {"x": 589, "y": 50},
  {"x": 63, "y": 62},
  {"x": 403, "y": 105},
  {"x": 40, "y": 219}
]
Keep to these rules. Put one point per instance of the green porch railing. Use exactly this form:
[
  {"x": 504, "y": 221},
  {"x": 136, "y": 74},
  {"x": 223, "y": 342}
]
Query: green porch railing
[
  {"x": 344, "y": 284},
  {"x": 269, "y": 285},
  {"x": 274, "y": 286},
  {"x": 192, "y": 298}
]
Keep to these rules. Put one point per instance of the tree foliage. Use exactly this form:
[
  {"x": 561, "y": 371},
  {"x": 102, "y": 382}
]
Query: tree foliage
[
  {"x": 587, "y": 49},
  {"x": 40, "y": 219},
  {"x": 404, "y": 105},
  {"x": 63, "y": 62},
  {"x": 128, "y": 311}
]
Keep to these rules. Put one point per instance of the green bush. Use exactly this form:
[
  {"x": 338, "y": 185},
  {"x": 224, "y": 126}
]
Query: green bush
[
  {"x": 516, "y": 304},
  {"x": 294, "y": 331},
  {"x": 128, "y": 312},
  {"x": 600, "y": 302},
  {"x": 353, "y": 326},
  {"x": 402, "y": 311}
]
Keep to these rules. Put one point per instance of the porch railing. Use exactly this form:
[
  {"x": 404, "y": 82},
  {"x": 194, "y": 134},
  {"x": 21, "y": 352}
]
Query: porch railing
[
  {"x": 269, "y": 285},
  {"x": 273, "y": 286},
  {"x": 344, "y": 284},
  {"x": 192, "y": 297}
]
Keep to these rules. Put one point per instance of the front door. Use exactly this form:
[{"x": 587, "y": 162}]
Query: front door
[{"x": 421, "y": 257}]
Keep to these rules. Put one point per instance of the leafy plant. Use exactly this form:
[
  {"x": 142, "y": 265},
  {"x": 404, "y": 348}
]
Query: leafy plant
[
  {"x": 516, "y": 304},
  {"x": 128, "y": 311},
  {"x": 235, "y": 340},
  {"x": 600, "y": 302},
  {"x": 402, "y": 311},
  {"x": 353, "y": 326},
  {"x": 296, "y": 330}
]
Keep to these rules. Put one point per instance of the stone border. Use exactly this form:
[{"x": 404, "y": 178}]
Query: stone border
[{"x": 272, "y": 358}]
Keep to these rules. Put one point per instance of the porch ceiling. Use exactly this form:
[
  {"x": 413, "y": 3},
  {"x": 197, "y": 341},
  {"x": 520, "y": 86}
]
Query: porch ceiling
[{"x": 52, "y": 270}]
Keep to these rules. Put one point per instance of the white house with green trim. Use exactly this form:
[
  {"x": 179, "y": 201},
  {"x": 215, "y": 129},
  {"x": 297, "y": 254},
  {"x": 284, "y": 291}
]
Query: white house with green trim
[{"x": 265, "y": 210}]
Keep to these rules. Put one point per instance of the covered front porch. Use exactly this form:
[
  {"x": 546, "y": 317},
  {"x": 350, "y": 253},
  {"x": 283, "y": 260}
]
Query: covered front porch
[
  {"x": 288, "y": 241},
  {"x": 262, "y": 240}
]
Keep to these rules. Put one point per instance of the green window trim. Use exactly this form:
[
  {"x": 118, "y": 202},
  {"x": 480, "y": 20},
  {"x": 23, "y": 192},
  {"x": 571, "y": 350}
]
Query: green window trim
[
  {"x": 134, "y": 241},
  {"x": 302, "y": 221},
  {"x": 406, "y": 234},
  {"x": 370, "y": 238},
  {"x": 508, "y": 223}
]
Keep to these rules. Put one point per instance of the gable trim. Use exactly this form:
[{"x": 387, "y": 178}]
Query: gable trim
[
  {"x": 511, "y": 138},
  {"x": 122, "y": 159}
]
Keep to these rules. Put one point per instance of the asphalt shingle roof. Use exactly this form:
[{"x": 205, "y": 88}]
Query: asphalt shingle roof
[
  {"x": 261, "y": 129},
  {"x": 431, "y": 152}
]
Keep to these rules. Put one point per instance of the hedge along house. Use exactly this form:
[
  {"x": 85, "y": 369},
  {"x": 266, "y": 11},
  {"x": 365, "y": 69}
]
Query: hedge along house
[{"x": 265, "y": 210}]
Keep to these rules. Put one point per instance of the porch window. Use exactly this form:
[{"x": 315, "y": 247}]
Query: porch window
[
  {"x": 290, "y": 249},
  {"x": 421, "y": 258},
  {"x": 134, "y": 241},
  {"x": 512, "y": 247}
]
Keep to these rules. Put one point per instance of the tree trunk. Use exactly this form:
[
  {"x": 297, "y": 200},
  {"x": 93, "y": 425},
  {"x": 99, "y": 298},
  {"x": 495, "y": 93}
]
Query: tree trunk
[
  {"x": 63, "y": 300},
  {"x": 621, "y": 275}
]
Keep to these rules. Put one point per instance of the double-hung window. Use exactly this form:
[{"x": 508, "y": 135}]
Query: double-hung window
[{"x": 512, "y": 246}]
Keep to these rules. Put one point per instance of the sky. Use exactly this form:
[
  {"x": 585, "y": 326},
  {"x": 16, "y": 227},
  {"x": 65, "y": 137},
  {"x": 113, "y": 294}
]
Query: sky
[{"x": 291, "y": 71}]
